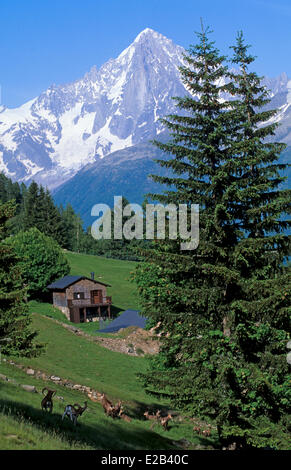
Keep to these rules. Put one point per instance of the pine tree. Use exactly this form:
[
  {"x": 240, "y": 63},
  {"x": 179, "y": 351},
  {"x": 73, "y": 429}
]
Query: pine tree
[
  {"x": 221, "y": 339},
  {"x": 11, "y": 191},
  {"x": 15, "y": 334},
  {"x": 68, "y": 217},
  {"x": 259, "y": 322},
  {"x": 52, "y": 225},
  {"x": 73, "y": 228},
  {"x": 31, "y": 206},
  {"x": 40, "y": 211}
]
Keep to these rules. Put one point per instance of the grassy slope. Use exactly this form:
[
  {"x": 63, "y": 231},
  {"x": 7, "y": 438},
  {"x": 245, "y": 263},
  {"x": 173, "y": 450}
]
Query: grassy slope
[
  {"x": 24, "y": 426},
  {"x": 82, "y": 361}
]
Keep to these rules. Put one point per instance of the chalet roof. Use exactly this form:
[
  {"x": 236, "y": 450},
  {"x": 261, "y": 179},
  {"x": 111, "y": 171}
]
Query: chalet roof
[{"x": 67, "y": 281}]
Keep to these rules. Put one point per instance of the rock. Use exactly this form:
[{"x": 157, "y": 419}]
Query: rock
[
  {"x": 69, "y": 385},
  {"x": 77, "y": 387},
  {"x": 55, "y": 378},
  {"x": 3, "y": 377},
  {"x": 289, "y": 358},
  {"x": 73, "y": 329},
  {"x": 12, "y": 381},
  {"x": 29, "y": 388},
  {"x": 289, "y": 344},
  {"x": 93, "y": 397},
  {"x": 30, "y": 371},
  {"x": 130, "y": 351}
]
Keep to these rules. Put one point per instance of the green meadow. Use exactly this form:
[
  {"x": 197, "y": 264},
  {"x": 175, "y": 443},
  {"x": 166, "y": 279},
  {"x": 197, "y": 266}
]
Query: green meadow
[{"x": 23, "y": 425}]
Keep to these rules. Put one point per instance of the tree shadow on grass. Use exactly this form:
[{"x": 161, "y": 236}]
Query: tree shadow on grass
[
  {"x": 106, "y": 435},
  {"x": 136, "y": 409}
]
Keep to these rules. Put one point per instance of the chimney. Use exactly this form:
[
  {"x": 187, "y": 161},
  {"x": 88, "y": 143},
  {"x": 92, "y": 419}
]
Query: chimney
[{"x": 92, "y": 276}]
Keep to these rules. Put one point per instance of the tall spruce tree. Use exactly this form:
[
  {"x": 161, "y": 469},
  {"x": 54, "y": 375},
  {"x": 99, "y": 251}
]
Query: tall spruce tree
[
  {"x": 31, "y": 204},
  {"x": 73, "y": 229},
  {"x": 41, "y": 212},
  {"x": 53, "y": 225},
  {"x": 220, "y": 308}
]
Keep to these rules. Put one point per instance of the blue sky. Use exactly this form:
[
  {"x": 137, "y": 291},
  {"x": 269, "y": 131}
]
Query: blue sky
[{"x": 56, "y": 41}]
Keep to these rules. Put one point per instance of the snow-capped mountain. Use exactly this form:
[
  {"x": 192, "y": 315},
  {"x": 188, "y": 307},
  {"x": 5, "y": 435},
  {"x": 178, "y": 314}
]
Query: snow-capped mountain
[
  {"x": 50, "y": 138},
  {"x": 54, "y": 135}
]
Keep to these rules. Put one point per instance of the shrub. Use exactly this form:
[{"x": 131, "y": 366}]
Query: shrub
[{"x": 42, "y": 260}]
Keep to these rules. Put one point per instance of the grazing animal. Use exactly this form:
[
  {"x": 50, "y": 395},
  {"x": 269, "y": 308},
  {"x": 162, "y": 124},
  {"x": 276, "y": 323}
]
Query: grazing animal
[
  {"x": 47, "y": 401},
  {"x": 205, "y": 432},
  {"x": 123, "y": 416},
  {"x": 158, "y": 414},
  {"x": 74, "y": 411},
  {"x": 152, "y": 417},
  {"x": 155, "y": 418},
  {"x": 80, "y": 409},
  {"x": 93, "y": 397},
  {"x": 107, "y": 405},
  {"x": 70, "y": 412},
  {"x": 165, "y": 420},
  {"x": 197, "y": 429},
  {"x": 115, "y": 411}
]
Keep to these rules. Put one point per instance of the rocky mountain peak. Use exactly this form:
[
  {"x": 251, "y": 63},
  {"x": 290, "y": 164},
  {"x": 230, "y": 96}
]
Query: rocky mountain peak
[{"x": 110, "y": 108}]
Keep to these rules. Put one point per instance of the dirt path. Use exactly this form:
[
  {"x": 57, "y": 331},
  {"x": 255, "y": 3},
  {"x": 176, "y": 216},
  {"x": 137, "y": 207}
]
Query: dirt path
[{"x": 133, "y": 341}]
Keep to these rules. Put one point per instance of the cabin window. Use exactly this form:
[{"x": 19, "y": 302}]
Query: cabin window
[{"x": 78, "y": 295}]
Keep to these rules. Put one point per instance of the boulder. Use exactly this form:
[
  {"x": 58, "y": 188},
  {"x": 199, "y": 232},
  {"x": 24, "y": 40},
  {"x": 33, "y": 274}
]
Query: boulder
[
  {"x": 13, "y": 381},
  {"x": 29, "y": 388},
  {"x": 69, "y": 384},
  {"x": 77, "y": 387}
]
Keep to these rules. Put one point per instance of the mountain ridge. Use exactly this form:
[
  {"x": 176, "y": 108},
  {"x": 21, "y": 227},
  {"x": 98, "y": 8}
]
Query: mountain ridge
[
  {"x": 118, "y": 105},
  {"x": 62, "y": 138},
  {"x": 123, "y": 173},
  {"x": 51, "y": 137}
]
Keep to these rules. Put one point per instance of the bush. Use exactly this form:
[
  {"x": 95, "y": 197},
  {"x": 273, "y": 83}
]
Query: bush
[{"x": 42, "y": 260}]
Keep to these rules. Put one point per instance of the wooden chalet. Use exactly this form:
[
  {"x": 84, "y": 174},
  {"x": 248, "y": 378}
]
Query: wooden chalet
[{"x": 81, "y": 298}]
